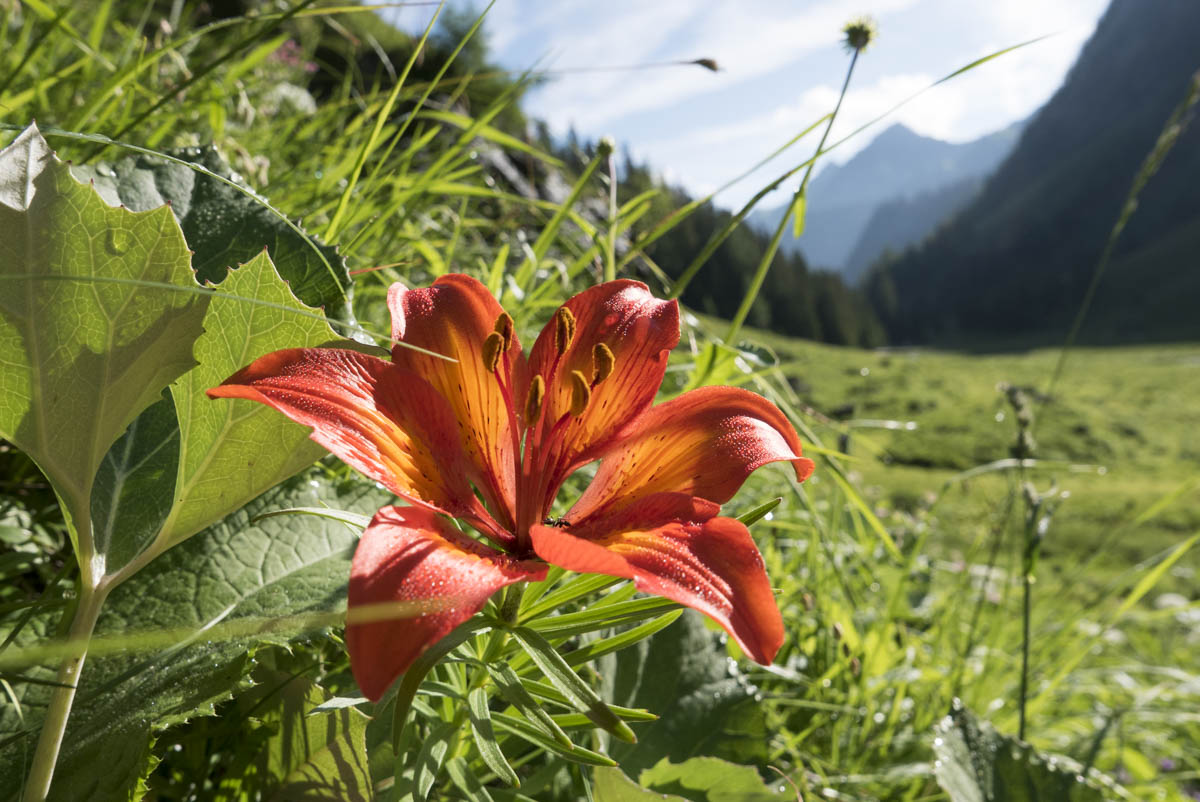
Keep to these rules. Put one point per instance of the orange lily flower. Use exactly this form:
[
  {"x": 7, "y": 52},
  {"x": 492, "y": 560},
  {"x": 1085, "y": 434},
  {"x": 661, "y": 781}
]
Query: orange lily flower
[{"x": 490, "y": 437}]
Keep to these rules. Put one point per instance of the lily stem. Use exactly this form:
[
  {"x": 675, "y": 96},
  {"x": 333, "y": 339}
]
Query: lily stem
[{"x": 54, "y": 727}]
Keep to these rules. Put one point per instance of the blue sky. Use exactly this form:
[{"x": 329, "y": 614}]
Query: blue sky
[{"x": 781, "y": 67}]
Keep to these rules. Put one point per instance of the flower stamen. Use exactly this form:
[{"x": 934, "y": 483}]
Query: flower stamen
[
  {"x": 533, "y": 402},
  {"x": 493, "y": 346},
  {"x": 564, "y": 329},
  {"x": 581, "y": 393},
  {"x": 504, "y": 327},
  {"x": 603, "y": 362}
]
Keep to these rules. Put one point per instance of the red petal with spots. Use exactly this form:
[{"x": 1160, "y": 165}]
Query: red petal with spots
[
  {"x": 672, "y": 545},
  {"x": 640, "y": 330},
  {"x": 385, "y": 422},
  {"x": 454, "y": 318},
  {"x": 439, "y": 576},
  {"x": 703, "y": 443}
]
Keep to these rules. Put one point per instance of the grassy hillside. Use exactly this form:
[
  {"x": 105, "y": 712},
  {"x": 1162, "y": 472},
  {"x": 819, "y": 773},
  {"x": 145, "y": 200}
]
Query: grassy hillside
[{"x": 1119, "y": 432}]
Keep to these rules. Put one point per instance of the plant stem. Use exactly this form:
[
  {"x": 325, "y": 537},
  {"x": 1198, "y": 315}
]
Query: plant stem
[
  {"x": 610, "y": 252},
  {"x": 760, "y": 274},
  {"x": 37, "y": 785},
  {"x": 1025, "y": 615}
]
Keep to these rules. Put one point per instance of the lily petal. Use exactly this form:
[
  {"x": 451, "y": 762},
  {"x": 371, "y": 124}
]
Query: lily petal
[
  {"x": 703, "y": 443},
  {"x": 639, "y": 330},
  {"x": 385, "y": 422},
  {"x": 441, "y": 576},
  {"x": 674, "y": 546},
  {"x": 454, "y": 317}
]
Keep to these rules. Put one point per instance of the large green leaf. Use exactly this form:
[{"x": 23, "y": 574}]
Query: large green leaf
[
  {"x": 977, "y": 764},
  {"x": 232, "y": 450},
  {"x": 611, "y": 785},
  {"x": 132, "y": 494},
  {"x": 85, "y": 343},
  {"x": 710, "y": 779},
  {"x": 305, "y": 757},
  {"x": 705, "y": 706},
  {"x": 187, "y": 626},
  {"x": 223, "y": 225}
]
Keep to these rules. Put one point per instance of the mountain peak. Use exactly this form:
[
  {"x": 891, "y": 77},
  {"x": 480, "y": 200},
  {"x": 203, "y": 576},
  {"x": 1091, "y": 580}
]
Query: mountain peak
[{"x": 896, "y": 133}]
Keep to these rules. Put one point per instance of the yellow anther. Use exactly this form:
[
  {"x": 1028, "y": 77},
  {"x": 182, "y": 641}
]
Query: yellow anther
[
  {"x": 492, "y": 347},
  {"x": 504, "y": 327},
  {"x": 603, "y": 362},
  {"x": 581, "y": 393},
  {"x": 533, "y": 403},
  {"x": 564, "y": 329}
]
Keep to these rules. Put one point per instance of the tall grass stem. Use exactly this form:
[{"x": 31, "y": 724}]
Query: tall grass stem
[{"x": 764, "y": 265}]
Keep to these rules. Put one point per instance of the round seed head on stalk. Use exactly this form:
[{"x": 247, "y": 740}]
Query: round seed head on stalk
[{"x": 860, "y": 32}]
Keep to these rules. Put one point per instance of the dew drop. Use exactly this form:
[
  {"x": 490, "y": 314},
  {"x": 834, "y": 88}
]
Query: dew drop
[{"x": 117, "y": 241}]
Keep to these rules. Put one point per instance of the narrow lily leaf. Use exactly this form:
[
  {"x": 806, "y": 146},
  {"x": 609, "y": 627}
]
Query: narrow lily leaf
[
  {"x": 758, "y": 513},
  {"x": 568, "y": 682},
  {"x": 234, "y": 450},
  {"x": 514, "y": 692},
  {"x": 579, "y": 586},
  {"x": 485, "y": 737},
  {"x": 429, "y": 759},
  {"x": 572, "y": 624},
  {"x": 704, "y": 705},
  {"x": 544, "y": 690},
  {"x": 604, "y": 646},
  {"x": 573, "y": 720},
  {"x": 406, "y": 690},
  {"x": 462, "y": 777},
  {"x": 526, "y": 731},
  {"x": 98, "y": 313}
]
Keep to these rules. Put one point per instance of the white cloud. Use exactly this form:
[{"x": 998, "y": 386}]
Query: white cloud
[
  {"x": 781, "y": 70},
  {"x": 747, "y": 39}
]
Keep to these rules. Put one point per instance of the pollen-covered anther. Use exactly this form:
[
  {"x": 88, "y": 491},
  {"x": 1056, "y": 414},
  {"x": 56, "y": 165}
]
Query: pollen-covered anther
[
  {"x": 581, "y": 393},
  {"x": 493, "y": 346},
  {"x": 533, "y": 402},
  {"x": 564, "y": 329},
  {"x": 603, "y": 362},
  {"x": 504, "y": 327}
]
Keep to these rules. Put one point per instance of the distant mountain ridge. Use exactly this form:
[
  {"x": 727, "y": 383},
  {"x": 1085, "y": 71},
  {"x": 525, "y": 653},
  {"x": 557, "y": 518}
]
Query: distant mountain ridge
[
  {"x": 899, "y": 165},
  {"x": 1016, "y": 263}
]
